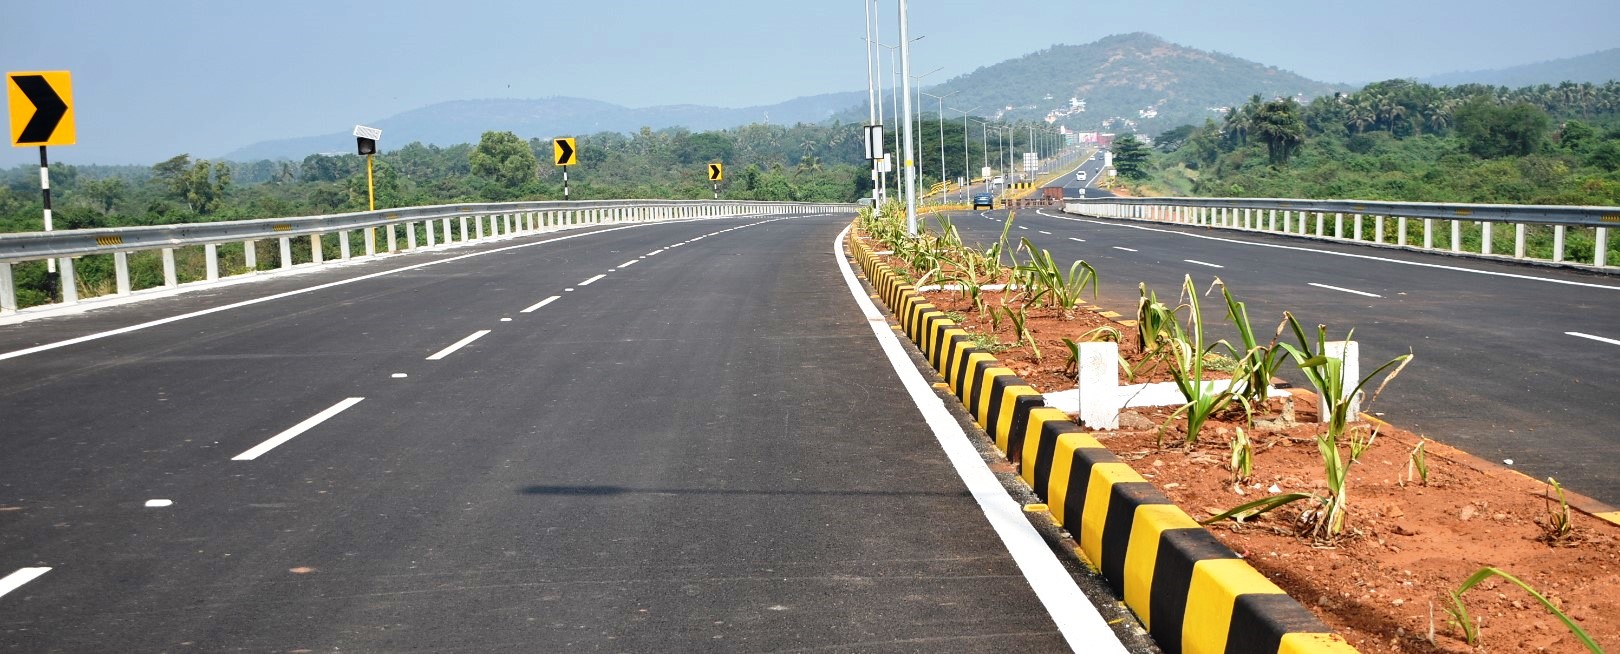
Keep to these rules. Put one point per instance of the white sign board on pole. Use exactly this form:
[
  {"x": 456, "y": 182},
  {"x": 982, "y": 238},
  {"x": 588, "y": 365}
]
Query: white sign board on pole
[
  {"x": 1032, "y": 161},
  {"x": 885, "y": 165},
  {"x": 874, "y": 142},
  {"x": 367, "y": 132},
  {"x": 985, "y": 172}
]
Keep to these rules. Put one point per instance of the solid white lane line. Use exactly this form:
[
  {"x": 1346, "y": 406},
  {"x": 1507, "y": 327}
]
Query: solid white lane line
[
  {"x": 1595, "y": 338},
  {"x": 1204, "y": 263},
  {"x": 1045, "y": 232},
  {"x": 588, "y": 281},
  {"x": 310, "y": 423},
  {"x": 1125, "y": 249},
  {"x": 319, "y": 287},
  {"x": 1420, "y": 264},
  {"x": 16, "y": 579},
  {"x": 1346, "y": 290},
  {"x": 458, "y": 345},
  {"x": 541, "y": 303},
  {"x": 629, "y": 263},
  {"x": 1075, "y": 616},
  {"x": 1077, "y": 240}
]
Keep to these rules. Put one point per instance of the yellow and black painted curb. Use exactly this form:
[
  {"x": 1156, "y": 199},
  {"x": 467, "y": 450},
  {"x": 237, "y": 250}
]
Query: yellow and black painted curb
[{"x": 1194, "y": 594}]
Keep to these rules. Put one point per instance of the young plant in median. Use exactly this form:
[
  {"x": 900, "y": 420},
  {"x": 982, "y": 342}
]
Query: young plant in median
[
  {"x": 1259, "y": 362},
  {"x": 1470, "y": 629},
  {"x": 1048, "y": 282},
  {"x": 1187, "y": 353},
  {"x": 1325, "y": 521}
]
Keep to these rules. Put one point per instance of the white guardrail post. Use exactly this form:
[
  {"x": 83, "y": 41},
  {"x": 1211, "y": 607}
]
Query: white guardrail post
[
  {"x": 1540, "y": 232},
  {"x": 441, "y": 226}
]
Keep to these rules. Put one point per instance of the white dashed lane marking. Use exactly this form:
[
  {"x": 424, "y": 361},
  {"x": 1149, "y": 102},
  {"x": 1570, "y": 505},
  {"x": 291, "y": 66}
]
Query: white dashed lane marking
[
  {"x": 589, "y": 281},
  {"x": 306, "y": 425},
  {"x": 1600, "y": 339},
  {"x": 1345, "y": 290},
  {"x": 458, "y": 345},
  {"x": 16, "y": 579}
]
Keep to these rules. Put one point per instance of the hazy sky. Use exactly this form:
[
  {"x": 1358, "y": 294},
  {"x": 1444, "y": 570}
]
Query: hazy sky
[{"x": 153, "y": 78}]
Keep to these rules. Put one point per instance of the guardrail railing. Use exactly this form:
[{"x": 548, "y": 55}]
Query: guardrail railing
[
  {"x": 312, "y": 240},
  {"x": 1569, "y": 235}
]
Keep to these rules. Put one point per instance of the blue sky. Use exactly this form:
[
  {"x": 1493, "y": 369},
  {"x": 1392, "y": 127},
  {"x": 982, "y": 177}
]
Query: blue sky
[{"x": 154, "y": 78}]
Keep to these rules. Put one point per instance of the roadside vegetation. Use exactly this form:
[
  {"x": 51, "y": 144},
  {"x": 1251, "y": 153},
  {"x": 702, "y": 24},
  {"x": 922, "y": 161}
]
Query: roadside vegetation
[{"x": 1403, "y": 141}]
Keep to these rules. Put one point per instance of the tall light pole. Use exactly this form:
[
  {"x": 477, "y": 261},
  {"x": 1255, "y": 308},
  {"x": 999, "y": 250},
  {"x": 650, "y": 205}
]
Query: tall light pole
[
  {"x": 905, "y": 78},
  {"x": 943, "y": 178},
  {"x": 968, "y": 174},
  {"x": 871, "y": 99}
]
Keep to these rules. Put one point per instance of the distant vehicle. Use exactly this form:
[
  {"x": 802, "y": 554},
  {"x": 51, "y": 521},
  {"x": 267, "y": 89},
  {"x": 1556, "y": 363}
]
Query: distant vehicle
[
  {"x": 1096, "y": 155},
  {"x": 984, "y": 200},
  {"x": 1052, "y": 193},
  {"x": 999, "y": 180},
  {"x": 1080, "y": 176}
]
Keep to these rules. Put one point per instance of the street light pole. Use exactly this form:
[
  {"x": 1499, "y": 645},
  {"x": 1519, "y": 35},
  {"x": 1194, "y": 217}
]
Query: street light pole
[
  {"x": 871, "y": 99},
  {"x": 905, "y": 78}
]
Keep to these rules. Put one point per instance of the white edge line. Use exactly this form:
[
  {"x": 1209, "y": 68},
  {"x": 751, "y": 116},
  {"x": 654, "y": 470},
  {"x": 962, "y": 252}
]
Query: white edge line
[
  {"x": 16, "y": 579},
  {"x": 1595, "y": 338},
  {"x": 588, "y": 281},
  {"x": 1352, "y": 255},
  {"x": 1125, "y": 249},
  {"x": 320, "y": 287},
  {"x": 458, "y": 345},
  {"x": 541, "y": 303},
  {"x": 1204, "y": 263},
  {"x": 629, "y": 263},
  {"x": 1076, "y": 618},
  {"x": 1346, "y": 290},
  {"x": 297, "y": 429}
]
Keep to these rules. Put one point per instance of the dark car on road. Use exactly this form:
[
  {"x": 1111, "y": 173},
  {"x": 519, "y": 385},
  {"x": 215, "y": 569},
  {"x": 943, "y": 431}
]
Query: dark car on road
[{"x": 984, "y": 200}]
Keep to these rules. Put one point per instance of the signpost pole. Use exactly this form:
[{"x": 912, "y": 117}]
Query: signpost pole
[
  {"x": 565, "y": 182},
  {"x": 716, "y": 190},
  {"x": 371, "y": 191},
  {"x": 45, "y": 191}
]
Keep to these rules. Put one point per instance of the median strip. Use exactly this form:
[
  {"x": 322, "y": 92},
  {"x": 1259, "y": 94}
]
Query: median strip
[
  {"x": 310, "y": 423},
  {"x": 1192, "y": 593},
  {"x": 458, "y": 345}
]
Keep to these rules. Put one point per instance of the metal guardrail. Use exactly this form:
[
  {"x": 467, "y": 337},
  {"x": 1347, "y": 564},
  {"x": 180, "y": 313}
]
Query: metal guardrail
[
  {"x": 1384, "y": 223},
  {"x": 438, "y": 223}
]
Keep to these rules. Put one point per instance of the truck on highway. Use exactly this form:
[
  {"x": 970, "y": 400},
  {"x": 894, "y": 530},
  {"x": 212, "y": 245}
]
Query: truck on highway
[{"x": 1052, "y": 193}]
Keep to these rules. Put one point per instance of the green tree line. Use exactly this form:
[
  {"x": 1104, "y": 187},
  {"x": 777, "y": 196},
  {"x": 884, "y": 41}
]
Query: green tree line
[{"x": 1405, "y": 141}]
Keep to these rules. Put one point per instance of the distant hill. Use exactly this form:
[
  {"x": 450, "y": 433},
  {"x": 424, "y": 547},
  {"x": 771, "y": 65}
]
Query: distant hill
[
  {"x": 1140, "y": 78},
  {"x": 464, "y": 121},
  {"x": 1597, "y": 68}
]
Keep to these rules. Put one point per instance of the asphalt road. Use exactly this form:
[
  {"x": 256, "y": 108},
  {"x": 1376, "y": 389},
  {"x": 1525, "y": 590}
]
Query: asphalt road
[
  {"x": 1494, "y": 374},
  {"x": 687, "y": 449}
]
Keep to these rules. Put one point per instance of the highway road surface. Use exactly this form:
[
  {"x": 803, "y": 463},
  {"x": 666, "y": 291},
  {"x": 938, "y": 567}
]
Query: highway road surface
[
  {"x": 672, "y": 437},
  {"x": 1513, "y": 362}
]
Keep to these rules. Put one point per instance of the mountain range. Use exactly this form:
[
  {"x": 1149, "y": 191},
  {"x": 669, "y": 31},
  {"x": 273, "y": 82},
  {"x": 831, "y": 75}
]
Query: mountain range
[
  {"x": 1120, "y": 83},
  {"x": 1596, "y": 68},
  {"x": 464, "y": 121}
]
